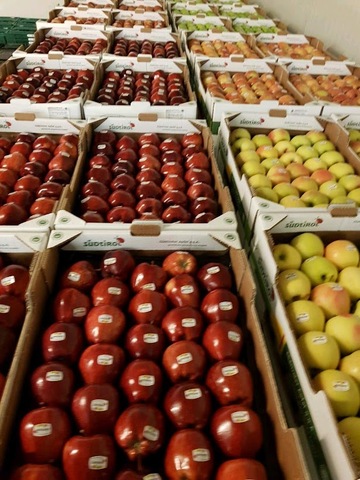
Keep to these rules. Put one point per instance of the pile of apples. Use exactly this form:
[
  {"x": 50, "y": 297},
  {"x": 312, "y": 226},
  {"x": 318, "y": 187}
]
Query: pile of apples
[
  {"x": 320, "y": 286},
  {"x": 191, "y": 26},
  {"x": 304, "y": 51},
  {"x": 139, "y": 5},
  {"x": 146, "y": 23},
  {"x": 74, "y": 3},
  {"x": 298, "y": 171},
  {"x": 344, "y": 90},
  {"x": 150, "y": 178},
  {"x": 158, "y": 88},
  {"x": 33, "y": 172},
  {"x": 193, "y": 11},
  {"x": 78, "y": 20},
  {"x": 45, "y": 86},
  {"x": 246, "y": 29},
  {"x": 246, "y": 87},
  {"x": 132, "y": 48},
  {"x": 219, "y": 48},
  {"x": 142, "y": 376},
  {"x": 226, "y": 12},
  {"x": 73, "y": 46}
]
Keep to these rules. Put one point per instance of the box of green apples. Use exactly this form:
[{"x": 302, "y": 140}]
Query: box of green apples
[
  {"x": 243, "y": 11},
  {"x": 189, "y": 23},
  {"x": 248, "y": 26},
  {"x": 311, "y": 288},
  {"x": 190, "y": 8}
]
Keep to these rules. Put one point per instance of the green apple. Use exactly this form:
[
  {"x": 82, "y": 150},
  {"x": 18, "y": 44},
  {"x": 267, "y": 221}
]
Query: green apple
[
  {"x": 330, "y": 158},
  {"x": 247, "y": 156},
  {"x": 322, "y": 175},
  {"x": 278, "y": 175},
  {"x": 270, "y": 162},
  {"x": 308, "y": 244},
  {"x": 324, "y": 146},
  {"x": 354, "y": 135},
  {"x": 267, "y": 151},
  {"x": 252, "y": 168},
  {"x": 239, "y": 133},
  {"x": 342, "y": 253},
  {"x": 305, "y": 183},
  {"x": 340, "y": 170},
  {"x": 332, "y": 189},
  {"x": 290, "y": 157},
  {"x": 313, "y": 164},
  {"x": 313, "y": 198},
  {"x": 241, "y": 145},
  {"x": 318, "y": 350},
  {"x": 341, "y": 199},
  {"x": 267, "y": 193},
  {"x": 292, "y": 201},
  {"x": 341, "y": 390},
  {"x": 286, "y": 257},
  {"x": 284, "y": 147},
  {"x": 304, "y": 316},
  {"x": 349, "y": 278},
  {"x": 259, "y": 180},
  {"x": 293, "y": 285},
  {"x": 278, "y": 135},
  {"x": 261, "y": 140},
  {"x": 316, "y": 136},
  {"x": 319, "y": 270},
  {"x": 355, "y": 196},
  {"x": 332, "y": 298},
  {"x": 350, "y": 364},
  {"x": 297, "y": 170},
  {"x": 346, "y": 331},
  {"x": 350, "y": 181},
  {"x": 306, "y": 152},
  {"x": 299, "y": 140},
  {"x": 349, "y": 428},
  {"x": 284, "y": 189}
]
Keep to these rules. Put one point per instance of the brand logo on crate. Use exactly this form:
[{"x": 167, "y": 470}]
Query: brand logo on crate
[
  {"x": 258, "y": 121},
  {"x": 101, "y": 243},
  {"x": 129, "y": 126},
  {"x": 4, "y": 125},
  {"x": 34, "y": 63},
  {"x": 314, "y": 223}
]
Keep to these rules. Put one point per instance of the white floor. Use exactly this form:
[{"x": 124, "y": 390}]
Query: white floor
[{"x": 27, "y": 8}]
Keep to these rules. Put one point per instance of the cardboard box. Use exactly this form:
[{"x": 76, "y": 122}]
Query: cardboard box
[
  {"x": 249, "y": 26},
  {"x": 103, "y": 4},
  {"x": 130, "y": 5},
  {"x": 139, "y": 15},
  {"x": 82, "y": 14},
  {"x": 32, "y": 235},
  {"x": 214, "y": 108},
  {"x": 36, "y": 295},
  {"x": 242, "y": 11},
  {"x": 74, "y": 31},
  {"x": 249, "y": 206},
  {"x": 314, "y": 407},
  {"x": 191, "y": 9},
  {"x": 218, "y": 24},
  {"x": 69, "y": 109},
  {"x": 142, "y": 63}
]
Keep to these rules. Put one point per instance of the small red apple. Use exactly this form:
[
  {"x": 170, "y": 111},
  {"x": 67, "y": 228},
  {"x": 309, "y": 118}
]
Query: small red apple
[
  {"x": 52, "y": 384},
  {"x": 117, "y": 263},
  {"x": 104, "y": 324},
  {"x": 223, "y": 340},
  {"x": 145, "y": 341},
  {"x": 101, "y": 363},
  {"x": 184, "y": 360},
  {"x": 71, "y": 305},
  {"x": 80, "y": 275},
  {"x": 220, "y": 305},
  {"x": 148, "y": 306},
  {"x": 141, "y": 381},
  {"x": 180, "y": 262},
  {"x": 183, "y": 323}
]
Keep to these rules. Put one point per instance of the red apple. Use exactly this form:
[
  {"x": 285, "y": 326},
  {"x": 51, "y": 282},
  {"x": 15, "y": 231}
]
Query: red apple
[
  {"x": 89, "y": 458},
  {"x": 172, "y": 168},
  {"x": 223, "y": 340},
  {"x": 149, "y": 138},
  {"x": 151, "y": 206},
  {"x": 182, "y": 291},
  {"x": 198, "y": 160},
  {"x": 12, "y": 214},
  {"x": 95, "y": 408},
  {"x": 241, "y": 469},
  {"x": 94, "y": 203},
  {"x": 118, "y": 263},
  {"x": 220, "y": 305},
  {"x": 101, "y": 363},
  {"x": 148, "y": 276},
  {"x": 126, "y": 142},
  {"x": 80, "y": 275},
  {"x": 188, "y": 405},
  {"x": 43, "y": 433},
  {"x": 71, "y": 305},
  {"x": 237, "y": 431},
  {"x": 62, "y": 342},
  {"x": 145, "y": 341},
  {"x": 52, "y": 384},
  {"x": 183, "y": 323},
  {"x": 192, "y": 138},
  {"x": 200, "y": 189},
  {"x": 110, "y": 291},
  {"x": 34, "y": 168},
  {"x": 180, "y": 262},
  {"x": 104, "y": 324},
  {"x": 23, "y": 198},
  {"x": 189, "y": 455},
  {"x": 214, "y": 275},
  {"x": 12, "y": 311},
  {"x": 170, "y": 143},
  {"x": 148, "y": 306},
  {"x": 175, "y": 197},
  {"x": 43, "y": 206},
  {"x": 37, "y": 472},
  {"x": 121, "y": 198},
  {"x": 121, "y": 214},
  {"x": 14, "y": 280},
  {"x": 184, "y": 360},
  {"x": 230, "y": 382},
  {"x": 95, "y": 188},
  {"x": 139, "y": 430},
  {"x": 141, "y": 381}
]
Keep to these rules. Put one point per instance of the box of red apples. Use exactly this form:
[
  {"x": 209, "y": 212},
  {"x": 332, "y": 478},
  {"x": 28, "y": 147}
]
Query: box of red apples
[
  {"x": 75, "y": 40},
  {"x": 23, "y": 295},
  {"x": 50, "y": 85},
  {"x": 226, "y": 85},
  {"x": 115, "y": 329},
  {"x": 128, "y": 86},
  {"x": 130, "y": 42},
  {"x": 321, "y": 199},
  {"x": 139, "y": 18},
  {"x": 103, "y": 4},
  {"x": 336, "y": 85},
  {"x": 294, "y": 326},
  {"x": 40, "y": 167},
  {"x": 158, "y": 190},
  {"x": 67, "y": 16}
]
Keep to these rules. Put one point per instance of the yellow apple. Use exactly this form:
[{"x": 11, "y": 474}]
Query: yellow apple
[
  {"x": 332, "y": 298},
  {"x": 354, "y": 135},
  {"x": 299, "y": 140},
  {"x": 297, "y": 170},
  {"x": 242, "y": 145},
  {"x": 308, "y": 244},
  {"x": 259, "y": 180},
  {"x": 278, "y": 175},
  {"x": 342, "y": 253},
  {"x": 355, "y": 196},
  {"x": 293, "y": 285},
  {"x": 350, "y": 430},
  {"x": 239, "y": 133},
  {"x": 261, "y": 140},
  {"x": 252, "y": 168},
  {"x": 284, "y": 147},
  {"x": 332, "y": 189},
  {"x": 349, "y": 278},
  {"x": 330, "y": 158},
  {"x": 319, "y": 270},
  {"x": 313, "y": 198},
  {"x": 278, "y": 135},
  {"x": 304, "y": 316},
  {"x": 323, "y": 146},
  {"x": 350, "y": 364},
  {"x": 286, "y": 256},
  {"x": 290, "y": 157},
  {"x": 318, "y": 350},
  {"x": 284, "y": 189},
  {"x": 305, "y": 183},
  {"x": 322, "y": 175},
  {"x": 346, "y": 331},
  {"x": 341, "y": 199},
  {"x": 267, "y": 193},
  {"x": 292, "y": 201},
  {"x": 247, "y": 156},
  {"x": 271, "y": 162},
  {"x": 306, "y": 152},
  {"x": 313, "y": 164},
  {"x": 267, "y": 151},
  {"x": 341, "y": 170},
  {"x": 315, "y": 136}
]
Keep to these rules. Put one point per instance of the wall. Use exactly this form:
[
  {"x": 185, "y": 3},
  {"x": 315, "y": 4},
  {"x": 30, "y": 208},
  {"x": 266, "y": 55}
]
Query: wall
[
  {"x": 335, "y": 22},
  {"x": 27, "y": 8}
]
